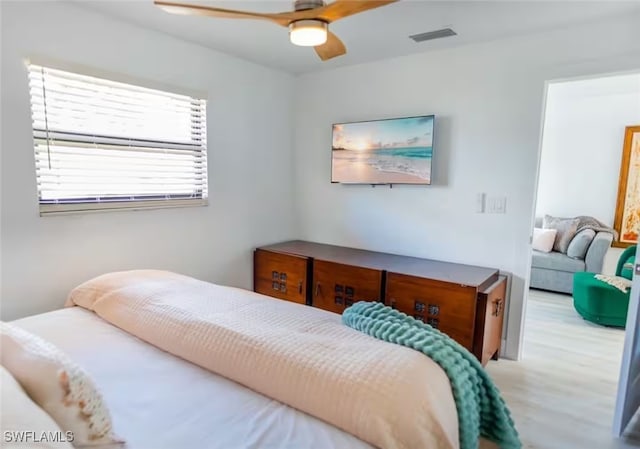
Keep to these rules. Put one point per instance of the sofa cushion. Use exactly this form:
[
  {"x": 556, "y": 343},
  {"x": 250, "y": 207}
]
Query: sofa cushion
[
  {"x": 556, "y": 261},
  {"x": 566, "y": 228},
  {"x": 543, "y": 239},
  {"x": 580, "y": 244}
]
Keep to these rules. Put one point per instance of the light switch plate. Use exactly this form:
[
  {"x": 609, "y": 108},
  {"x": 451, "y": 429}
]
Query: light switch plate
[
  {"x": 497, "y": 205},
  {"x": 480, "y": 203}
]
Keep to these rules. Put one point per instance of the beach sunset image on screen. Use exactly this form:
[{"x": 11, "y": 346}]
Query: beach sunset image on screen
[{"x": 392, "y": 151}]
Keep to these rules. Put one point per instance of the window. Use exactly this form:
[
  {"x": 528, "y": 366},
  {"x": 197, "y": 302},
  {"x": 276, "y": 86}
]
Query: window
[{"x": 102, "y": 144}]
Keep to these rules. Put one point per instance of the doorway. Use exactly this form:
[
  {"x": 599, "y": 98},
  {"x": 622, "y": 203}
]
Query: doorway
[{"x": 568, "y": 373}]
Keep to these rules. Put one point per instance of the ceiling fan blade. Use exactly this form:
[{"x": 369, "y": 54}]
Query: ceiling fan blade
[
  {"x": 340, "y": 9},
  {"x": 332, "y": 48},
  {"x": 200, "y": 10}
]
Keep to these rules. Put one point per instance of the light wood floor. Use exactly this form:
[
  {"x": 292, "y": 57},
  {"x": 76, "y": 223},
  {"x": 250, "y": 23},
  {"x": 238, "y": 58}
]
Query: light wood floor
[{"x": 562, "y": 393}]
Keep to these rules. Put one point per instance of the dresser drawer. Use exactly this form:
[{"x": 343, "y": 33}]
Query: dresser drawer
[
  {"x": 490, "y": 318},
  {"x": 337, "y": 286},
  {"x": 448, "y": 307},
  {"x": 280, "y": 275}
]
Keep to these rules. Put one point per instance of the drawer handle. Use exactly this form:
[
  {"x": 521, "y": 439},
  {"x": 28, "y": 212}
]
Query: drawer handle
[
  {"x": 300, "y": 287},
  {"x": 317, "y": 288},
  {"x": 499, "y": 306}
]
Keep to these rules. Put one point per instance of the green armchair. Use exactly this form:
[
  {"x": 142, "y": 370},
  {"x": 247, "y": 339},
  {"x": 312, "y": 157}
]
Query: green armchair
[
  {"x": 599, "y": 302},
  {"x": 626, "y": 261}
]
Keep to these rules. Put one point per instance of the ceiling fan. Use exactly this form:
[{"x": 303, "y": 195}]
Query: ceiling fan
[{"x": 308, "y": 24}]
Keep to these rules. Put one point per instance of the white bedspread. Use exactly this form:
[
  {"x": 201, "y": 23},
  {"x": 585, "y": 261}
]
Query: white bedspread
[
  {"x": 387, "y": 395},
  {"x": 160, "y": 401}
]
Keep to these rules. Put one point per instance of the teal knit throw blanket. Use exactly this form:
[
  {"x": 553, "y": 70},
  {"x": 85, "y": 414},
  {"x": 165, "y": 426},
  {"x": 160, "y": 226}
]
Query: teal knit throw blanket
[{"x": 481, "y": 409}]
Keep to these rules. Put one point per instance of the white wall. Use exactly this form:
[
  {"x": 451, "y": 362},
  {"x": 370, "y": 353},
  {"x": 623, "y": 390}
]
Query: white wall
[
  {"x": 488, "y": 101},
  {"x": 249, "y": 132},
  {"x": 582, "y": 145}
]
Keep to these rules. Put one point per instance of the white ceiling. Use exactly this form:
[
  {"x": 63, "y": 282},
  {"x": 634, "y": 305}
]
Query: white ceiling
[{"x": 377, "y": 34}]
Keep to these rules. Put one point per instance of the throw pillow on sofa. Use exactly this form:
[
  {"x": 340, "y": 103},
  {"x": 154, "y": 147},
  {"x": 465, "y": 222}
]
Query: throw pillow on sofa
[
  {"x": 543, "y": 239},
  {"x": 580, "y": 244},
  {"x": 566, "y": 228}
]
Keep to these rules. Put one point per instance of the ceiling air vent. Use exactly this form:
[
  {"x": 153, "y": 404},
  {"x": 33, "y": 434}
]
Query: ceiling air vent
[{"x": 430, "y": 35}]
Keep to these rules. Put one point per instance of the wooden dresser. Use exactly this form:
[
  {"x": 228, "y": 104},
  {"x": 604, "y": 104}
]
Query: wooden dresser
[{"x": 466, "y": 302}]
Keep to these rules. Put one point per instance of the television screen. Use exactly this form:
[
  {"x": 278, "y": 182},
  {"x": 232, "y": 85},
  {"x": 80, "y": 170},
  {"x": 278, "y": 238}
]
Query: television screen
[{"x": 391, "y": 151}]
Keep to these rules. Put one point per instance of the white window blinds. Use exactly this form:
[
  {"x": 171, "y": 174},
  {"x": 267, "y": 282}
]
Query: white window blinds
[{"x": 101, "y": 144}]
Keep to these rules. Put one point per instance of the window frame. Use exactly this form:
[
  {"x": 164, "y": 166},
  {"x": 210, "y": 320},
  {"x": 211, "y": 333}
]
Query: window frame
[{"x": 52, "y": 209}]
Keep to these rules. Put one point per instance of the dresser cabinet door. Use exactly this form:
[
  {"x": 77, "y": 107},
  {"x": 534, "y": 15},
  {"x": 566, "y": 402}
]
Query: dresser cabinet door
[
  {"x": 337, "y": 286},
  {"x": 448, "y": 307},
  {"x": 280, "y": 275},
  {"x": 491, "y": 307}
]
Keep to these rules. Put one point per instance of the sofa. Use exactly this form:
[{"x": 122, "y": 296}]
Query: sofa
[{"x": 554, "y": 270}]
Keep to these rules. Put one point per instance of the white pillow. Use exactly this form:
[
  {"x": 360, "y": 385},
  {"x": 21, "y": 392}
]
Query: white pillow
[
  {"x": 543, "y": 239},
  {"x": 58, "y": 385},
  {"x": 25, "y": 425}
]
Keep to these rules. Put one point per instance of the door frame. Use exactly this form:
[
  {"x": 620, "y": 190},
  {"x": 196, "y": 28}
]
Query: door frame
[
  {"x": 517, "y": 350},
  {"x": 628, "y": 398},
  {"x": 628, "y": 394}
]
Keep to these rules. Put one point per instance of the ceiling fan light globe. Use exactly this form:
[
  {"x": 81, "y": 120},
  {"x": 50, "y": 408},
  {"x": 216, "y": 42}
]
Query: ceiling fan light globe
[{"x": 308, "y": 33}]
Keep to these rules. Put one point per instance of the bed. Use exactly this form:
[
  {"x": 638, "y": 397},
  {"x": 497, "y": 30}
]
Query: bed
[
  {"x": 183, "y": 363},
  {"x": 163, "y": 402}
]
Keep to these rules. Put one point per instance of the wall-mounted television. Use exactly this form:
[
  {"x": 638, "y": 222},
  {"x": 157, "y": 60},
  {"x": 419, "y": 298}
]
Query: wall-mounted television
[{"x": 390, "y": 151}]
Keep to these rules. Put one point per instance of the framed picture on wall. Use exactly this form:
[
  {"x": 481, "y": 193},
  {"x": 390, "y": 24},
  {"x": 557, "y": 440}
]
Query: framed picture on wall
[{"x": 627, "y": 219}]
